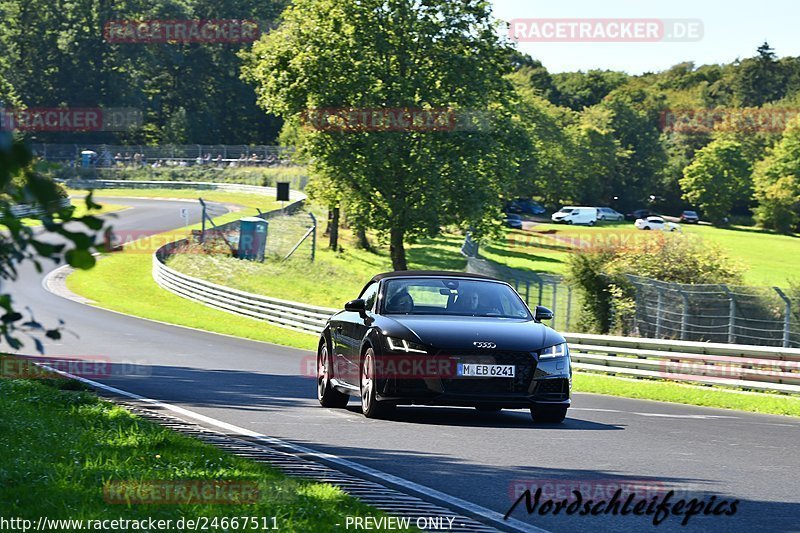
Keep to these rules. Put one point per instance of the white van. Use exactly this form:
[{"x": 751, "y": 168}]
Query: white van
[{"x": 576, "y": 215}]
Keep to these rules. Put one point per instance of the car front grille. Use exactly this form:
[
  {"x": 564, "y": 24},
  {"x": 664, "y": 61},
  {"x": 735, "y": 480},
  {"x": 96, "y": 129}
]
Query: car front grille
[{"x": 525, "y": 365}]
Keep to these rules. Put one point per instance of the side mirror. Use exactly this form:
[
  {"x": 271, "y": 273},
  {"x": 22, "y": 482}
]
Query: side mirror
[
  {"x": 542, "y": 313},
  {"x": 356, "y": 306}
]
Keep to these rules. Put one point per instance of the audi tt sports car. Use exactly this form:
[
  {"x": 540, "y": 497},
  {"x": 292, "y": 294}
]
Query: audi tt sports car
[{"x": 443, "y": 338}]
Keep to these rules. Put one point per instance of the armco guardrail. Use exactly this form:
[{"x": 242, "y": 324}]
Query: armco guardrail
[
  {"x": 730, "y": 365},
  {"x": 27, "y": 210},
  {"x": 294, "y": 315},
  {"x": 733, "y": 365},
  {"x": 303, "y": 317}
]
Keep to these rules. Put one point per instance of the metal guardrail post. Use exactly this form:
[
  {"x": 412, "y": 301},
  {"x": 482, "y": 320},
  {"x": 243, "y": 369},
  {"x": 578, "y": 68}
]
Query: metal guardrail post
[
  {"x": 659, "y": 311},
  {"x": 787, "y": 318},
  {"x": 731, "y": 315},
  {"x": 569, "y": 305},
  {"x": 684, "y": 313},
  {"x": 313, "y": 235}
]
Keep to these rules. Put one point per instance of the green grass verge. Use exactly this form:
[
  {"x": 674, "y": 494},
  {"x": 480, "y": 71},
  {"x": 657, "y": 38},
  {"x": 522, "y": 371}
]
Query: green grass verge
[
  {"x": 61, "y": 446},
  {"x": 768, "y": 258},
  {"x": 333, "y": 278},
  {"x": 667, "y": 391},
  {"x": 124, "y": 282}
]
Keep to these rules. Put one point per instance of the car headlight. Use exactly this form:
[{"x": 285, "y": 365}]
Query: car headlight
[
  {"x": 402, "y": 345},
  {"x": 559, "y": 350}
]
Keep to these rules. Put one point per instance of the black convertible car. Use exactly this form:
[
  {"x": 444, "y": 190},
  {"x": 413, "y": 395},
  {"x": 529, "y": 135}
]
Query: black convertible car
[{"x": 443, "y": 338}]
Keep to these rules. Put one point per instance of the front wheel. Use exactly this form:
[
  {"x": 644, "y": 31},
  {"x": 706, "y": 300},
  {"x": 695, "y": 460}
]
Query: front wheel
[
  {"x": 370, "y": 405},
  {"x": 326, "y": 394},
  {"x": 549, "y": 414}
]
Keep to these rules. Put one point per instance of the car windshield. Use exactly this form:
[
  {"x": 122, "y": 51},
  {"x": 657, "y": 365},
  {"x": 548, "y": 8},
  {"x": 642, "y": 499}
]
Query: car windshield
[
  {"x": 690, "y": 213},
  {"x": 566, "y": 210},
  {"x": 452, "y": 297}
]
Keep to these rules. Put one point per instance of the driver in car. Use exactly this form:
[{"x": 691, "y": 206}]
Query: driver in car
[
  {"x": 402, "y": 302},
  {"x": 475, "y": 303}
]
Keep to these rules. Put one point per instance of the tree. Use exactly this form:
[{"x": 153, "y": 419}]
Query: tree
[
  {"x": 546, "y": 168},
  {"x": 777, "y": 183},
  {"x": 55, "y": 54},
  {"x": 719, "y": 175},
  {"x": 394, "y": 55},
  {"x": 20, "y": 184},
  {"x": 634, "y": 116},
  {"x": 759, "y": 79},
  {"x": 597, "y": 153},
  {"x": 577, "y": 90}
]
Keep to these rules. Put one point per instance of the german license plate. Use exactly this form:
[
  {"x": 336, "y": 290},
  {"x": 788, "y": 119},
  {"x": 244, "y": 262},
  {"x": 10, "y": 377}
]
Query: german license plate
[{"x": 485, "y": 371}]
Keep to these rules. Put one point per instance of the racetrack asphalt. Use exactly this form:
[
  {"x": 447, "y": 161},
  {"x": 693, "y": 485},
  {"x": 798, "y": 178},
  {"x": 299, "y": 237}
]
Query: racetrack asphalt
[{"x": 605, "y": 443}]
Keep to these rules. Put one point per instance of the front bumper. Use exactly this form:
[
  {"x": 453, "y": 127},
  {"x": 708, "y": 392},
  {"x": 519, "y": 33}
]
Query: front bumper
[{"x": 536, "y": 382}]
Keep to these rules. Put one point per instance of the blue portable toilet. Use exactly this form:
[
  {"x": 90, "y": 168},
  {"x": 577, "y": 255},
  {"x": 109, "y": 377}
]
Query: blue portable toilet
[
  {"x": 88, "y": 157},
  {"x": 252, "y": 238}
]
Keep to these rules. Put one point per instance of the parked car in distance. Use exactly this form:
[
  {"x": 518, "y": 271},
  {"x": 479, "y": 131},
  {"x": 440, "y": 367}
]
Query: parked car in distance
[
  {"x": 639, "y": 213},
  {"x": 443, "y": 338},
  {"x": 513, "y": 221},
  {"x": 690, "y": 217},
  {"x": 575, "y": 215},
  {"x": 525, "y": 205},
  {"x": 606, "y": 213},
  {"x": 656, "y": 223}
]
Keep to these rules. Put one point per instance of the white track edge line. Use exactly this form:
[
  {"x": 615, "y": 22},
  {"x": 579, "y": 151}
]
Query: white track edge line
[{"x": 456, "y": 503}]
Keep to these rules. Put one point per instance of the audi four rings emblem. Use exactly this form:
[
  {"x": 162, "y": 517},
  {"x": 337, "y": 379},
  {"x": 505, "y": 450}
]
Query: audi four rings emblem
[{"x": 484, "y": 345}]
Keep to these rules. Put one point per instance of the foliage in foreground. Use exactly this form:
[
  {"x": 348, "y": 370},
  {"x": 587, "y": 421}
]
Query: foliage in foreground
[{"x": 20, "y": 243}]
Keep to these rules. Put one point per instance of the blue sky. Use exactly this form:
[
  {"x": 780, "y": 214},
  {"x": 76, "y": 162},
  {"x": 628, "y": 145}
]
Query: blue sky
[{"x": 731, "y": 29}]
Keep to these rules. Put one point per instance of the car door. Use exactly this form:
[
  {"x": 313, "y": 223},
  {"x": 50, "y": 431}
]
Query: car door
[{"x": 354, "y": 327}]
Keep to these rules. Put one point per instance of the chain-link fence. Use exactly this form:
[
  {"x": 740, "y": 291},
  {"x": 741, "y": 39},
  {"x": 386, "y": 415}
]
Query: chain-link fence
[
  {"x": 535, "y": 288},
  {"x": 126, "y": 156},
  {"x": 291, "y": 232},
  {"x": 767, "y": 316},
  {"x": 292, "y": 235}
]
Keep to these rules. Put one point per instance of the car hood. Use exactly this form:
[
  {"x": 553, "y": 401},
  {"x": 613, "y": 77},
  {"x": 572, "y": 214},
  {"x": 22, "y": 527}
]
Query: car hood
[{"x": 459, "y": 333}]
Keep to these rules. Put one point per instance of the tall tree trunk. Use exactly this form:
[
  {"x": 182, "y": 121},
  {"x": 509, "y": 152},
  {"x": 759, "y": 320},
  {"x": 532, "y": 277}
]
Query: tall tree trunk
[
  {"x": 334, "y": 228},
  {"x": 397, "y": 249},
  {"x": 361, "y": 239},
  {"x": 327, "y": 231}
]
